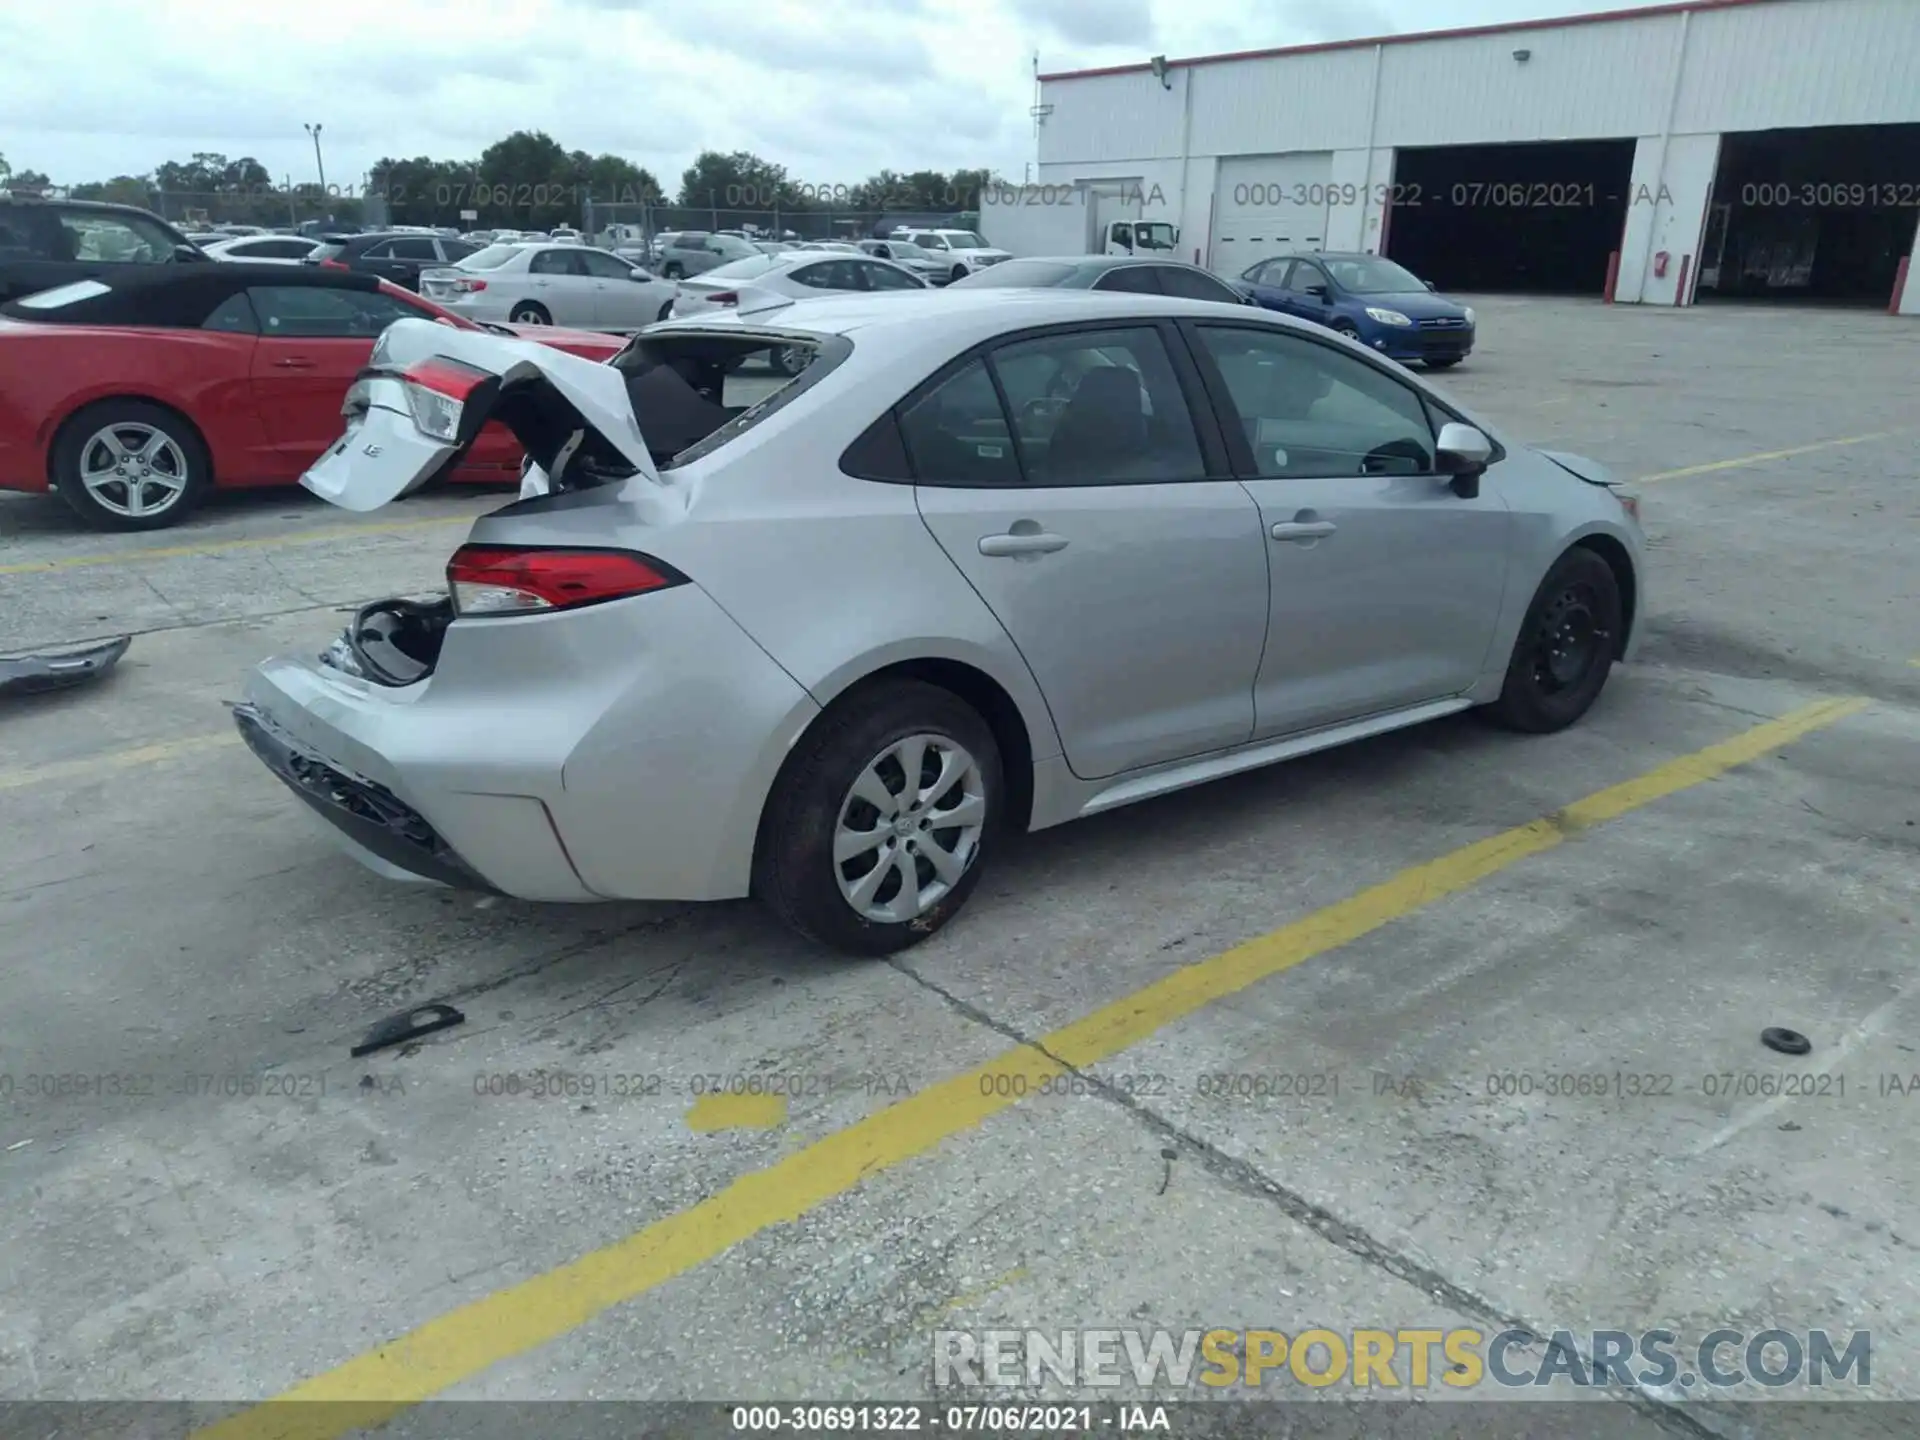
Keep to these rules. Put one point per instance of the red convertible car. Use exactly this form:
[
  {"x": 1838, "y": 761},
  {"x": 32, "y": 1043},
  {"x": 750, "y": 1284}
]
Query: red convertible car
[{"x": 132, "y": 396}]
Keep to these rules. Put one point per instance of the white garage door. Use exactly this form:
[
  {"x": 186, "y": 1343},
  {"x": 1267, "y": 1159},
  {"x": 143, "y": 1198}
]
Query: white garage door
[{"x": 1266, "y": 204}]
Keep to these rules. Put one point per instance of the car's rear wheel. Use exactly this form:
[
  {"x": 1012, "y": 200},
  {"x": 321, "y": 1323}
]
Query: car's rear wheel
[
  {"x": 528, "y": 313},
  {"x": 130, "y": 465},
  {"x": 881, "y": 821},
  {"x": 1566, "y": 646},
  {"x": 674, "y": 271},
  {"x": 959, "y": 273}
]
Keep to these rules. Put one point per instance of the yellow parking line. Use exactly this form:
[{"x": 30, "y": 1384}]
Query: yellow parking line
[
  {"x": 371, "y": 1388},
  {"x": 1741, "y": 461},
  {"x": 215, "y": 547},
  {"x": 94, "y": 766}
]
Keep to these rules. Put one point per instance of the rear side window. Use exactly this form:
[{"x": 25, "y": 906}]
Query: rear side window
[
  {"x": 413, "y": 249},
  {"x": 957, "y": 433},
  {"x": 554, "y": 262},
  {"x": 330, "y": 251},
  {"x": 234, "y": 316},
  {"x": 694, "y": 392},
  {"x": 1130, "y": 280},
  {"x": 1195, "y": 285},
  {"x": 1017, "y": 273}
]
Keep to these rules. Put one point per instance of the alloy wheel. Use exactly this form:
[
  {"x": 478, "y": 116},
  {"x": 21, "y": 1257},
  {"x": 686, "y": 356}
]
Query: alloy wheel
[
  {"x": 909, "y": 828},
  {"x": 134, "y": 470}
]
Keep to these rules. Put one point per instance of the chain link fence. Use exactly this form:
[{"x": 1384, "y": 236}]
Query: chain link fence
[{"x": 649, "y": 220}]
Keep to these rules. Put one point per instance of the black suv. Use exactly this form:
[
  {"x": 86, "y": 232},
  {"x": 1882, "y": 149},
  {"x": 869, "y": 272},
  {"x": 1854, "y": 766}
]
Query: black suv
[
  {"x": 399, "y": 257},
  {"x": 44, "y": 243}
]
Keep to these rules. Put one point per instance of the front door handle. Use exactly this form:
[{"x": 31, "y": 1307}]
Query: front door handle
[
  {"x": 294, "y": 362},
  {"x": 1297, "y": 530},
  {"x": 1038, "y": 542}
]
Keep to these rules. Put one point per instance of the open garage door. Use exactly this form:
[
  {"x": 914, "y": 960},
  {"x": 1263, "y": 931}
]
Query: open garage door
[
  {"x": 1536, "y": 218},
  {"x": 1265, "y": 205},
  {"x": 1822, "y": 214}
]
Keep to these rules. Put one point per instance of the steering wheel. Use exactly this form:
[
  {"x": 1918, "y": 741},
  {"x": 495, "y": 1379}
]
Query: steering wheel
[{"x": 1412, "y": 458}]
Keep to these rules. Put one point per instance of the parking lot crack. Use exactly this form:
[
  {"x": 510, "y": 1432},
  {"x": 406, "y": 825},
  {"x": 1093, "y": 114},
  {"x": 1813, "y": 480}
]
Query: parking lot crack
[{"x": 1355, "y": 1240}]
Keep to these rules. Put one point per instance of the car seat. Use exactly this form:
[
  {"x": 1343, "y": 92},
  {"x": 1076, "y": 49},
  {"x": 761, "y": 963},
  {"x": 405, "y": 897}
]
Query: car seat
[{"x": 1102, "y": 428}]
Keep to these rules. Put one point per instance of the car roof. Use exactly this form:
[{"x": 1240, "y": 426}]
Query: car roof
[
  {"x": 180, "y": 296},
  {"x": 959, "y": 319}
]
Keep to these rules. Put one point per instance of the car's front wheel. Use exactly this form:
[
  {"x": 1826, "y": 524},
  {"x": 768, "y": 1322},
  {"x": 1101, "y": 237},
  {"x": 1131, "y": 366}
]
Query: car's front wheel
[
  {"x": 881, "y": 821},
  {"x": 1566, "y": 646},
  {"x": 130, "y": 465},
  {"x": 959, "y": 273}
]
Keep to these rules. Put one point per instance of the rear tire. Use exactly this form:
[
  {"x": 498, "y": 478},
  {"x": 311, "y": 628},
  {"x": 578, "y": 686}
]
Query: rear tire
[
  {"x": 528, "y": 313},
  {"x": 847, "y": 780},
  {"x": 959, "y": 273},
  {"x": 148, "y": 466},
  {"x": 674, "y": 271},
  {"x": 1565, "y": 649}
]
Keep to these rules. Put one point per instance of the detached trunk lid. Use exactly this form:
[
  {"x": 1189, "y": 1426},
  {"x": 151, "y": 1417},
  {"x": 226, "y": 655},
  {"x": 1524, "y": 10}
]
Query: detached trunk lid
[{"x": 430, "y": 389}]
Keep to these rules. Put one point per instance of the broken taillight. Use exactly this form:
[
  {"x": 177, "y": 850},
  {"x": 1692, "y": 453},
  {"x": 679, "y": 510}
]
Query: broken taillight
[
  {"x": 437, "y": 391},
  {"x": 498, "y": 580},
  {"x": 724, "y": 297}
]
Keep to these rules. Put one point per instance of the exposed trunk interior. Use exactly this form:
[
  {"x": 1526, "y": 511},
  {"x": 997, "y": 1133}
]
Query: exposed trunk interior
[{"x": 1536, "y": 218}]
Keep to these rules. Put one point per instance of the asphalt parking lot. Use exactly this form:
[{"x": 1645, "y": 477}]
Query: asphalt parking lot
[{"x": 1277, "y": 1053}]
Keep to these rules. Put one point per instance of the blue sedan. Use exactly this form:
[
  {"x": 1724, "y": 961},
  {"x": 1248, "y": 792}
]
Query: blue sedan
[{"x": 1382, "y": 305}]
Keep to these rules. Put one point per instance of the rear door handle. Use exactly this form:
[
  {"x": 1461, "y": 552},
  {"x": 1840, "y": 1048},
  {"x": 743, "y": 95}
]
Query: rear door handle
[
  {"x": 1303, "y": 530},
  {"x": 1038, "y": 543},
  {"x": 294, "y": 362}
]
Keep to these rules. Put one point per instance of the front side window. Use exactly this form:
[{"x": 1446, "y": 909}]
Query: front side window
[
  {"x": 1370, "y": 275},
  {"x": 1309, "y": 410},
  {"x": 1099, "y": 407},
  {"x": 129, "y": 239},
  {"x": 957, "y": 434},
  {"x": 234, "y": 316},
  {"x": 310, "y": 312}
]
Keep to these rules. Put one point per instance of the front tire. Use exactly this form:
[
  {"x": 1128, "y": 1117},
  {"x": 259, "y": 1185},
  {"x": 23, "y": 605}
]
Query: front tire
[
  {"x": 1565, "y": 649},
  {"x": 959, "y": 273},
  {"x": 130, "y": 465},
  {"x": 881, "y": 822}
]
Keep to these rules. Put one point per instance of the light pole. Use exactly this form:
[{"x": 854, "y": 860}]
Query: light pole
[{"x": 319, "y": 164}]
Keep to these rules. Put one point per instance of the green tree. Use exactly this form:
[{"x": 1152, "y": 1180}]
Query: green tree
[
  {"x": 6, "y": 170},
  {"x": 425, "y": 191},
  {"x": 742, "y": 181},
  {"x": 528, "y": 182},
  {"x": 31, "y": 180},
  {"x": 121, "y": 190}
]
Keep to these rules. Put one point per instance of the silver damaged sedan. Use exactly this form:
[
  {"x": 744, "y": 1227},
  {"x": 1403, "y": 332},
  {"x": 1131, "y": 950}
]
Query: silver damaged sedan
[{"x": 988, "y": 562}]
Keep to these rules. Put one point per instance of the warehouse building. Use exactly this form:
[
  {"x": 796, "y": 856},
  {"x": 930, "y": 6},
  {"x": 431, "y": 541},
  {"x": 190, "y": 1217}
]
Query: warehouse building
[{"x": 1665, "y": 155}]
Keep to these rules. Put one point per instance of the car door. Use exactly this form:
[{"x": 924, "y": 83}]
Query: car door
[
  {"x": 313, "y": 342},
  {"x": 1309, "y": 292},
  {"x": 1097, "y": 520},
  {"x": 1385, "y": 584},
  {"x": 1268, "y": 280},
  {"x": 558, "y": 282},
  {"x": 622, "y": 300}
]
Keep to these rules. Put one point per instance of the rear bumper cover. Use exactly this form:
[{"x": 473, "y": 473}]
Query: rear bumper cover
[{"x": 373, "y": 818}]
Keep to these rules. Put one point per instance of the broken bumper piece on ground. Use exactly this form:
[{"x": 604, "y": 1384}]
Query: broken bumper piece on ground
[{"x": 62, "y": 668}]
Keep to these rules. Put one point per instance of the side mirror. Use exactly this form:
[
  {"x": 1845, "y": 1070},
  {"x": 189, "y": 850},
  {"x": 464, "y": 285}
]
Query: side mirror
[
  {"x": 1430, "y": 285},
  {"x": 1463, "y": 452},
  {"x": 638, "y": 273}
]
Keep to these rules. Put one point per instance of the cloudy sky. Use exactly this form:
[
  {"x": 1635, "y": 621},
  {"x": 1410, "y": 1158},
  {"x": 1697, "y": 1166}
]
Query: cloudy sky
[{"x": 832, "y": 89}]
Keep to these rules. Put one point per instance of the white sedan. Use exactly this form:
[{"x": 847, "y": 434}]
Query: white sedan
[
  {"x": 266, "y": 249},
  {"x": 796, "y": 275},
  {"x": 570, "y": 284}
]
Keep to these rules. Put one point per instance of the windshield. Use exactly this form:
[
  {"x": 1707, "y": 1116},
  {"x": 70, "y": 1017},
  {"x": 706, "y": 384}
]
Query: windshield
[
  {"x": 491, "y": 258},
  {"x": 744, "y": 269},
  {"x": 1153, "y": 236},
  {"x": 1370, "y": 275},
  {"x": 965, "y": 240},
  {"x": 1018, "y": 273},
  {"x": 903, "y": 251},
  {"x": 733, "y": 246}
]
